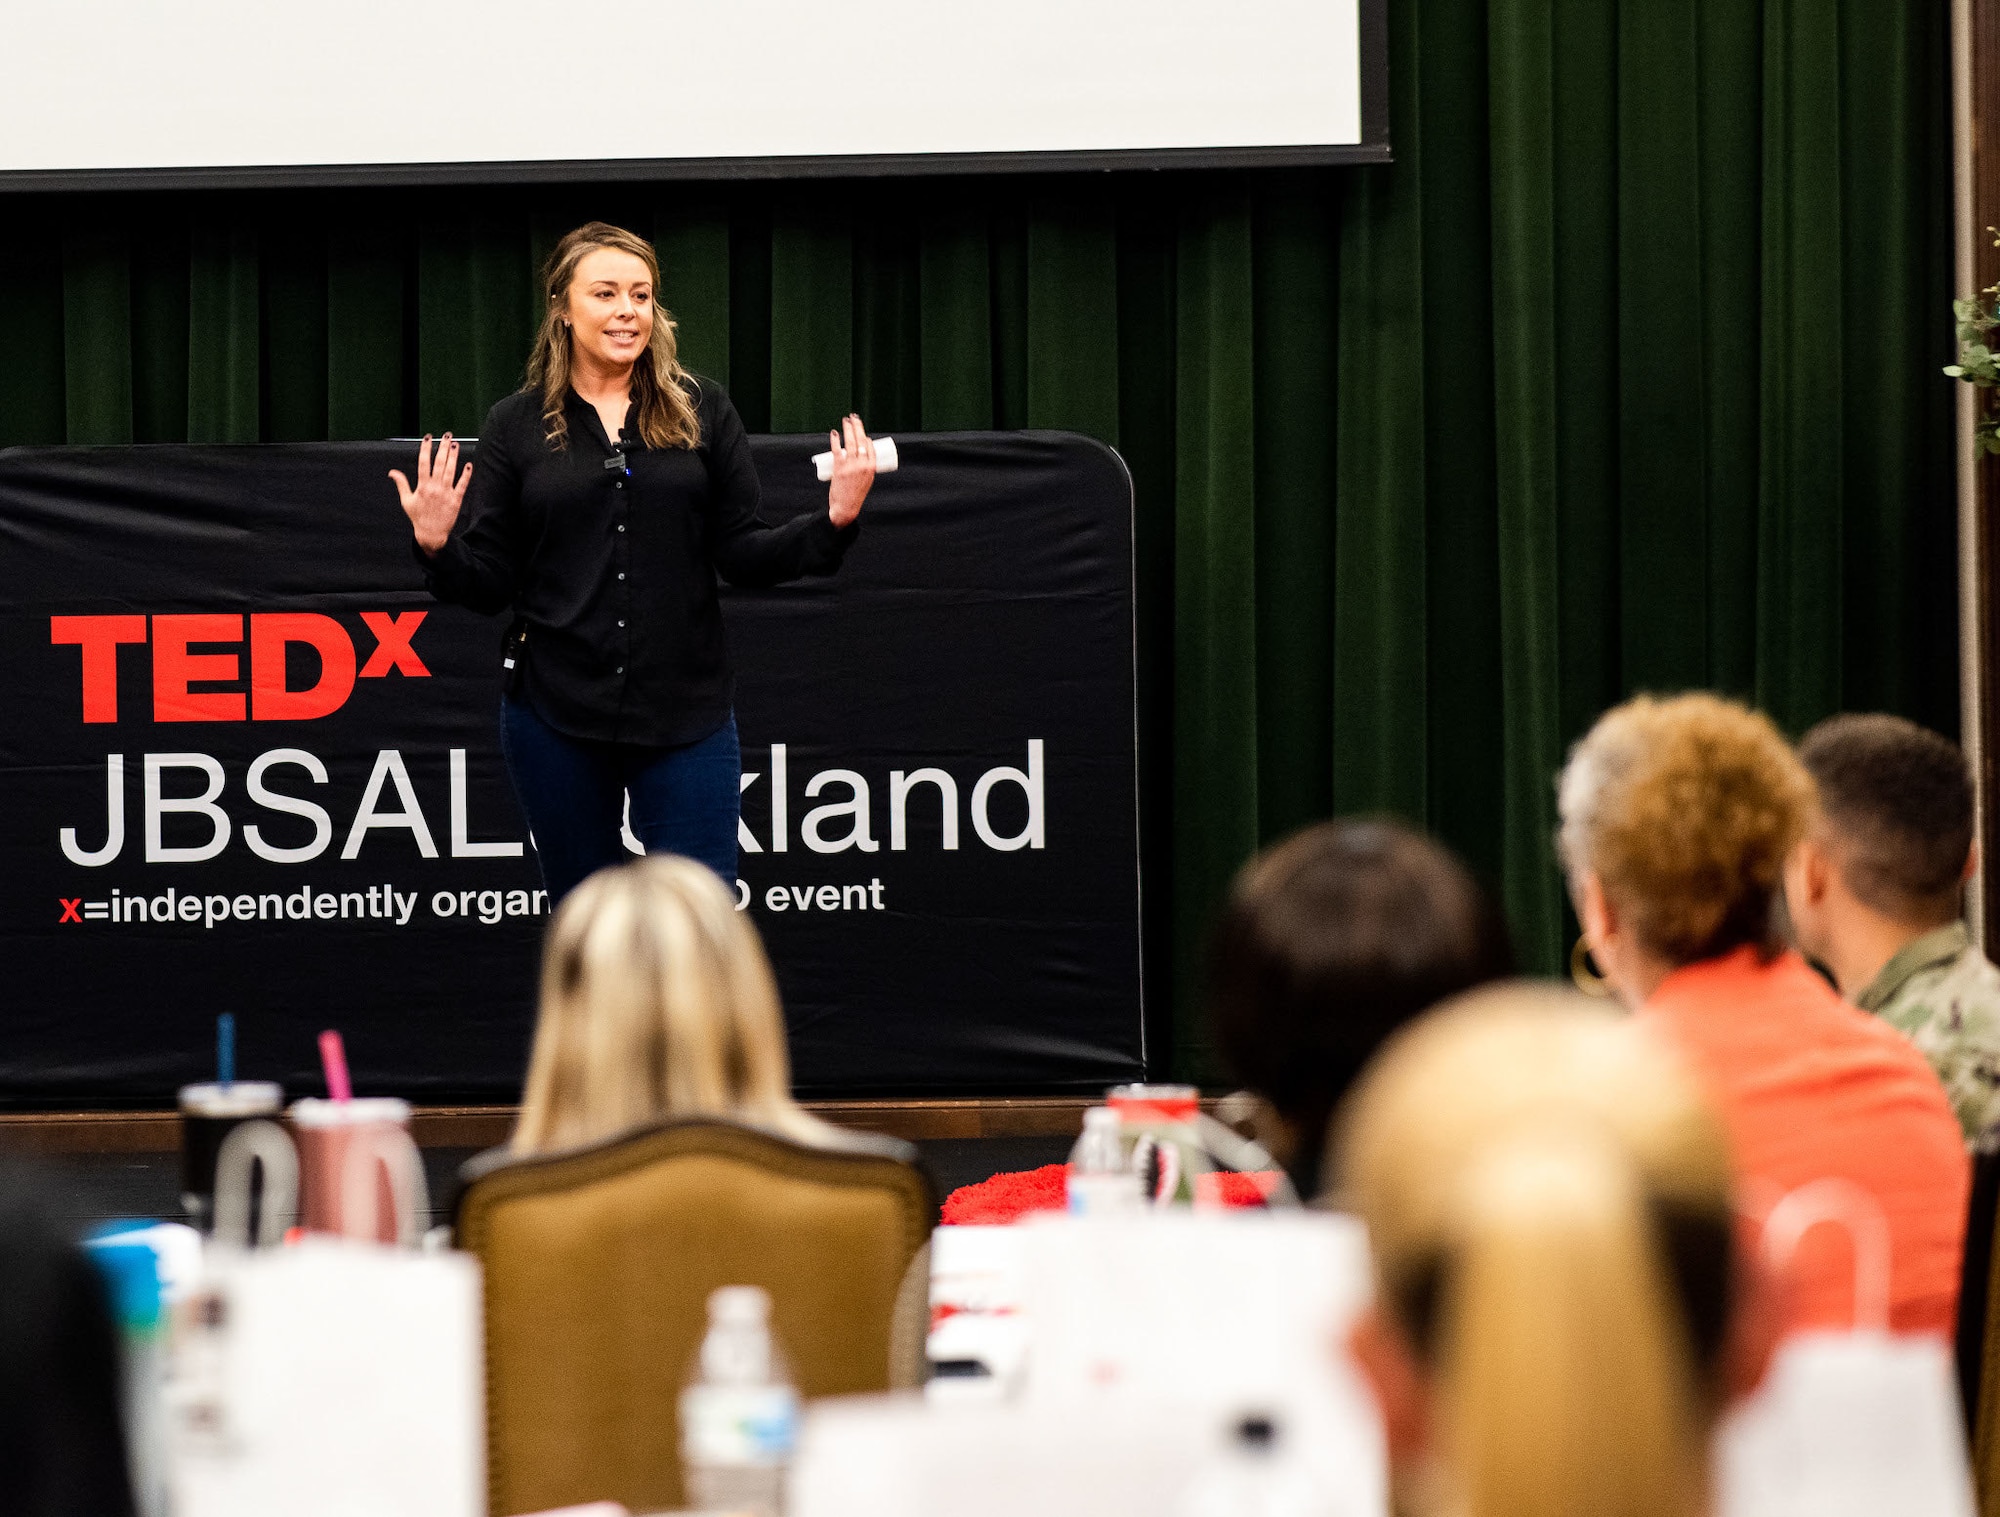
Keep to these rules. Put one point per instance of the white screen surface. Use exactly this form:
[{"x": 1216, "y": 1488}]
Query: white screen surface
[{"x": 109, "y": 85}]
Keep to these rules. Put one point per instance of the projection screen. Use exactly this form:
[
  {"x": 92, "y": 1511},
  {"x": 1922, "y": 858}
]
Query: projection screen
[{"x": 101, "y": 93}]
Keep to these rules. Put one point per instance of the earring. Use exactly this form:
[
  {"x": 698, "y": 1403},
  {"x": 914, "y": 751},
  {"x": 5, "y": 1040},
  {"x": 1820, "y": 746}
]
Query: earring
[{"x": 1584, "y": 972}]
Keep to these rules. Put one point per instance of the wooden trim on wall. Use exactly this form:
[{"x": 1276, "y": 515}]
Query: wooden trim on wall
[
  {"x": 1976, "y": 182},
  {"x": 157, "y": 1132},
  {"x": 1971, "y": 545}
]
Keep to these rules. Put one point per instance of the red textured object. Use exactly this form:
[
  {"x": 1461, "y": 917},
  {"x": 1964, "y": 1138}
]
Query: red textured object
[
  {"x": 1013, "y": 1195},
  {"x": 1008, "y": 1197},
  {"x": 1229, "y": 1189}
]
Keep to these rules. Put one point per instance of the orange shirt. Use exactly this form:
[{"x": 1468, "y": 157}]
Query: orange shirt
[{"x": 1809, "y": 1087}]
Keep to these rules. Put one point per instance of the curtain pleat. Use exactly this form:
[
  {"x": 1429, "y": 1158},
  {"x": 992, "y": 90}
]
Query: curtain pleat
[
  {"x": 1148, "y": 373},
  {"x": 161, "y": 291},
  {"x": 97, "y": 332},
  {"x": 888, "y": 323},
  {"x": 224, "y": 329},
  {"x": 1215, "y": 558},
  {"x": 1381, "y": 709},
  {"x": 476, "y": 310},
  {"x": 1731, "y": 174},
  {"x": 812, "y": 312},
  {"x": 1622, "y": 376},
  {"x": 955, "y": 316},
  {"x": 1295, "y": 274},
  {"x": 294, "y": 329},
  {"x": 33, "y": 388},
  {"x": 1072, "y": 315},
  {"x": 1529, "y": 409},
  {"x": 692, "y": 240},
  {"x": 368, "y": 360},
  {"x": 1461, "y": 668},
  {"x": 1584, "y": 286},
  {"x": 1801, "y": 494}
]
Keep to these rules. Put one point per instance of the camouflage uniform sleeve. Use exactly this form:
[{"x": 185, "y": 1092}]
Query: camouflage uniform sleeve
[{"x": 1952, "y": 1014}]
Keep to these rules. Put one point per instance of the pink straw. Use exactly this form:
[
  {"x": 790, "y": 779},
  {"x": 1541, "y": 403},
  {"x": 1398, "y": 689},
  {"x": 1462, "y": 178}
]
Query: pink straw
[{"x": 333, "y": 1059}]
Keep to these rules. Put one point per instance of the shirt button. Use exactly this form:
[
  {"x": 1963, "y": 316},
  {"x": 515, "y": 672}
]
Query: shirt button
[
  {"x": 621, "y": 621},
  {"x": 621, "y": 526},
  {"x": 621, "y": 576},
  {"x": 621, "y": 668}
]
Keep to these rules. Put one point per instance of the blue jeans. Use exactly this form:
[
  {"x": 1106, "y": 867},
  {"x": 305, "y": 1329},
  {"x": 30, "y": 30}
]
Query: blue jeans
[{"x": 572, "y": 791}]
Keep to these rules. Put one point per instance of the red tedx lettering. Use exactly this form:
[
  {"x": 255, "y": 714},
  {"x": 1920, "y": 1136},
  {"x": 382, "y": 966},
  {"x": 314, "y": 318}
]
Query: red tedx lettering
[
  {"x": 174, "y": 667},
  {"x": 270, "y": 701},
  {"x": 99, "y": 637},
  {"x": 392, "y": 645},
  {"x": 69, "y": 910}
]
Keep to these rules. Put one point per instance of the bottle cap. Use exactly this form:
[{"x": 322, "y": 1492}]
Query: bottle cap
[
  {"x": 1099, "y": 1116},
  {"x": 739, "y": 1306},
  {"x": 1155, "y": 1103},
  {"x": 312, "y": 1111},
  {"x": 242, "y": 1098}
]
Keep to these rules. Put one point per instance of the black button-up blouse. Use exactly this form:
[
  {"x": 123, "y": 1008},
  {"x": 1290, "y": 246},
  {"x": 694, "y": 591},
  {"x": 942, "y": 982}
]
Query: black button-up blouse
[{"x": 612, "y": 574}]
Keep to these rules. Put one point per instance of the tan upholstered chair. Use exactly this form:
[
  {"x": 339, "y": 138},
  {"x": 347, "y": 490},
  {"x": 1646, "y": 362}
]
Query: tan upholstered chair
[{"x": 599, "y": 1262}]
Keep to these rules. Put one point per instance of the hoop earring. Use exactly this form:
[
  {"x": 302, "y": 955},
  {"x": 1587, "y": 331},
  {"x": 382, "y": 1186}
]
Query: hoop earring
[{"x": 1584, "y": 973}]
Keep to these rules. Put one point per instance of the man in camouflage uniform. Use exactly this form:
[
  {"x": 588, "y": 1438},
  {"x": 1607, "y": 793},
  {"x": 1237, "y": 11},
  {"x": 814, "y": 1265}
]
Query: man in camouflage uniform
[{"x": 1874, "y": 896}]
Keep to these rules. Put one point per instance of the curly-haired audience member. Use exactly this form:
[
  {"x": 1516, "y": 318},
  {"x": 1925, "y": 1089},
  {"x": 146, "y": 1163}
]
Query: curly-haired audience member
[
  {"x": 1874, "y": 893},
  {"x": 1559, "y": 1317},
  {"x": 1677, "y": 818},
  {"x": 1329, "y": 942}
]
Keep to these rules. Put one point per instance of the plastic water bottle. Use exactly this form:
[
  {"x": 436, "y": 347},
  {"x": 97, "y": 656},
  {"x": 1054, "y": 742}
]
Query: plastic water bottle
[
  {"x": 1101, "y": 1180},
  {"x": 1253, "y": 1476},
  {"x": 740, "y": 1414}
]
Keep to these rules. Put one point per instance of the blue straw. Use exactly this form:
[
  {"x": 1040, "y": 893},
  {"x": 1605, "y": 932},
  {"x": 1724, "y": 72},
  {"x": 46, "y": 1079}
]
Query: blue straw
[{"x": 225, "y": 1048}]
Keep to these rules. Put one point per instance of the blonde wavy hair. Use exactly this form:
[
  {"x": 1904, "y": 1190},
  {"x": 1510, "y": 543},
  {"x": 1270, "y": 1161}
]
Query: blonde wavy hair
[
  {"x": 656, "y": 1001},
  {"x": 664, "y": 390},
  {"x": 1685, "y": 809},
  {"x": 1549, "y": 1204}
]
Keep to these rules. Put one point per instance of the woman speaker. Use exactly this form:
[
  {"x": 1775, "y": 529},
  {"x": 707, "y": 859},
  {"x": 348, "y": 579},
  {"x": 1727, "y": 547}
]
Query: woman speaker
[{"x": 610, "y": 490}]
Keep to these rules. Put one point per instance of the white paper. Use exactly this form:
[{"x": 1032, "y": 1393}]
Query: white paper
[
  {"x": 1848, "y": 1425},
  {"x": 349, "y": 1379}
]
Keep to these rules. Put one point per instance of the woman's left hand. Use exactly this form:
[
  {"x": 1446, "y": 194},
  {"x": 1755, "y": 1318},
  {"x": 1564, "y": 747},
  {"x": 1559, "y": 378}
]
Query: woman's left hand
[{"x": 853, "y": 471}]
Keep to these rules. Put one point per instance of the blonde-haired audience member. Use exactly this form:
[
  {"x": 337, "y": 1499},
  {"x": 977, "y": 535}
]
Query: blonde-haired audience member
[
  {"x": 1677, "y": 818},
  {"x": 657, "y": 1001},
  {"x": 1550, "y": 1205}
]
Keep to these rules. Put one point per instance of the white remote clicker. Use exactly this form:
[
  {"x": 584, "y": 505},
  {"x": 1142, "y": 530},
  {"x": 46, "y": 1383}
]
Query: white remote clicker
[{"x": 885, "y": 459}]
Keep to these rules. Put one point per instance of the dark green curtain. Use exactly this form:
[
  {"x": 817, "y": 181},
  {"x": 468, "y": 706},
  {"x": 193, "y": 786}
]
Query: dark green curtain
[{"x": 1623, "y": 376}]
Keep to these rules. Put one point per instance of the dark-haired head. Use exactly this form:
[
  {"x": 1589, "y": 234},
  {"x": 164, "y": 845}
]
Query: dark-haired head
[
  {"x": 1895, "y": 808},
  {"x": 1329, "y": 943}
]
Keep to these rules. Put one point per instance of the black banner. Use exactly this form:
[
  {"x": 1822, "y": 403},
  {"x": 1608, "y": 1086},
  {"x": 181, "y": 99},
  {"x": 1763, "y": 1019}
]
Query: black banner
[{"x": 249, "y": 766}]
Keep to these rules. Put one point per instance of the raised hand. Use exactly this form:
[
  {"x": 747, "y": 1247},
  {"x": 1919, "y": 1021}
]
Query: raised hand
[
  {"x": 432, "y": 504},
  {"x": 853, "y": 471}
]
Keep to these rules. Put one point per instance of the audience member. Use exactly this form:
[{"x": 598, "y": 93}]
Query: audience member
[
  {"x": 62, "y": 1440},
  {"x": 1329, "y": 942},
  {"x": 1874, "y": 893},
  {"x": 1549, "y": 1200},
  {"x": 657, "y": 1001},
  {"x": 1677, "y": 818}
]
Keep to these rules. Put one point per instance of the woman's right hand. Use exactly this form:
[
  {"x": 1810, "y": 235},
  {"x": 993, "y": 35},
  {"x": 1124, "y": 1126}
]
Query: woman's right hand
[{"x": 432, "y": 506}]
